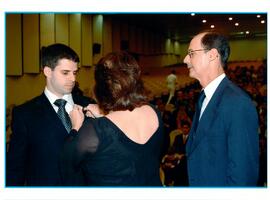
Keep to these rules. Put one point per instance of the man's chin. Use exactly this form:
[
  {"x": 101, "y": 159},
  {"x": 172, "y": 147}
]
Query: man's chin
[
  {"x": 70, "y": 88},
  {"x": 190, "y": 73},
  {"x": 68, "y": 91}
]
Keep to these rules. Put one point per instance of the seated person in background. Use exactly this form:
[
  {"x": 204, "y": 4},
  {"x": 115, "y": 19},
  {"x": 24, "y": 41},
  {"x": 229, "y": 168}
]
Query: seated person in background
[
  {"x": 180, "y": 140},
  {"x": 179, "y": 148},
  {"x": 182, "y": 116},
  {"x": 174, "y": 163},
  {"x": 121, "y": 144}
]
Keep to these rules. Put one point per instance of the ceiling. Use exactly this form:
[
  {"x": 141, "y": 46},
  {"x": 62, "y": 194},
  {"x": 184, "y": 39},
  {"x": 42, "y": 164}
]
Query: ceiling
[{"x": 183, "y": 26}]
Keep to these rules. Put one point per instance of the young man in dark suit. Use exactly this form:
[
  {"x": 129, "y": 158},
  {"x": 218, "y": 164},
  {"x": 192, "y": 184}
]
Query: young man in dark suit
[
  {"x": 222, "y": 149},
  {"x": 179, "y": 148},
  {"x": 38, "y": 131}
]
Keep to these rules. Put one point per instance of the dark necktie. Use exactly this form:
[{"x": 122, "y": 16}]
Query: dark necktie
[
  {"x": 199, "y": 107},
  {"x": 62, "y": 113}
]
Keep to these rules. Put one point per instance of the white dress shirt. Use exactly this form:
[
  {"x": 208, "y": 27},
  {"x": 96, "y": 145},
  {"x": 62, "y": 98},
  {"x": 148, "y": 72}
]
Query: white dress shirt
[
  {"x": 52, "y": 97},
  {"x": 209, "y": 90}
]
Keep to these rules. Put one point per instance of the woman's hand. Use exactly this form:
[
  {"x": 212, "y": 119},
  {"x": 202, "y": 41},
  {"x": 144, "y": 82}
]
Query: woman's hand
[
  {"x": 76, "y": 117},
  {"x": 93, "y": 110}
]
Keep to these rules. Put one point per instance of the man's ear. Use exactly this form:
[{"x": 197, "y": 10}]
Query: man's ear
[
  {"x": 213, "y": 54},
  {"x": 47, "y": 71}
]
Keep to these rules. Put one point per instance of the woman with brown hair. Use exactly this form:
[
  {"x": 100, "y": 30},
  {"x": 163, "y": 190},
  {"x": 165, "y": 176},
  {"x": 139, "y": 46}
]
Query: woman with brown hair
[{"x": 121, "y": 142}]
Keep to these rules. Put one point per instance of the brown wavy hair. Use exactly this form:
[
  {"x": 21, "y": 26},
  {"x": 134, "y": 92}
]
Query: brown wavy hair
[{"x": 118, "y": 83}]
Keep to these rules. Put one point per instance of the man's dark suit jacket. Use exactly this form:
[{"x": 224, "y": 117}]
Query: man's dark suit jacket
[
  {"x": 180, "y": 171},
  {"x": 224, "y": 151},
  {"x": 37, "y": 138}
]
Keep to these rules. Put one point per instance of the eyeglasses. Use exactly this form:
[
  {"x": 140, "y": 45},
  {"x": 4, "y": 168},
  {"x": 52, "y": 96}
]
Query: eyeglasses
[{"x": 191, "y": 52}]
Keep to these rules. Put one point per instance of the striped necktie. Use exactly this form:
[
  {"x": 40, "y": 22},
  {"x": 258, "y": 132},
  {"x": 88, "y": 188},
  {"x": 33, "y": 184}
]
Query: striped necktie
[{"x": 62, "y": 113}]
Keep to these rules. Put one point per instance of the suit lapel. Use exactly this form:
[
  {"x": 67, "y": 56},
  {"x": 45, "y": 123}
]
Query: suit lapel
[
  {"x": 50, "y": 117},
  {"x": 207, "y": 118}
]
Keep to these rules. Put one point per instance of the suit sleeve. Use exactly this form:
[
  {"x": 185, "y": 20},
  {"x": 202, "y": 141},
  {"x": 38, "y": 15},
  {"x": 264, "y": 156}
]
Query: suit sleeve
[
  {"x": 243, "y": 148},
  {"x": 17, "y": 152}
]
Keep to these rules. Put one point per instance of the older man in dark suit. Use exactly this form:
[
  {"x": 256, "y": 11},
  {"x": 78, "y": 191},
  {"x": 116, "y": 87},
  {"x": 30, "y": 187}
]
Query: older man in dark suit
[
  {"x": 40, "y": 125},
  {"x": 222, "y": 149}
]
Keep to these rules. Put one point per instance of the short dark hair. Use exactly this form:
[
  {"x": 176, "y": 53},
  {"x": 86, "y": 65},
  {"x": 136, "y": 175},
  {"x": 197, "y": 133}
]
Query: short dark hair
[
  {"x": 50, "y": 55},
  {"x": 217, "y": 41},
  {"x": 185, "y": 122},
  {"x": 118, "y": 83}
]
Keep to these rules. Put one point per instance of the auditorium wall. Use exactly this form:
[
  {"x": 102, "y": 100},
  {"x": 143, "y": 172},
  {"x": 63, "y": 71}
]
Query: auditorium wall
[
  {"x": 251, "y": 49},
  {"x": 27, "y": 33}
]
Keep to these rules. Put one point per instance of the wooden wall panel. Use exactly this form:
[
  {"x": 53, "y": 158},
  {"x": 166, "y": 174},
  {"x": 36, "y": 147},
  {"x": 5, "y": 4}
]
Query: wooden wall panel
[
  {"x": 139, "y": 33},
  {"x": 31, "y": 43},
  {"x": 13, "y": 44},
  {"x": 98, "y": 35},
  {"x": 87, "y": 41},
  {"x": 62, "y": 28},
  {"x": 132, "y": 39},
  {"x": 47, "y": 29},
  {"x": 75, "y": 31},
  {"x": 107, "y": 35},
  {"x": 146, "y": 41},
  {"x": 116, "y": 36},
  {"x": 124, "y": 31}
]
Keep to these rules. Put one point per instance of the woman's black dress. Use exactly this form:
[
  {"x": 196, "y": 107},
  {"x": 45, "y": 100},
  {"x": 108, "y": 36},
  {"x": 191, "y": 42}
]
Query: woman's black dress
[{"x": 100, "y": 154}]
